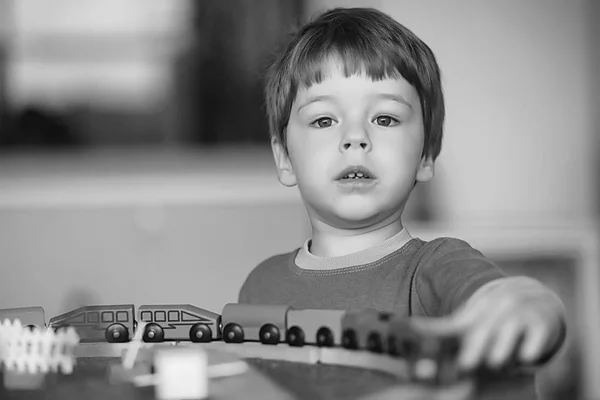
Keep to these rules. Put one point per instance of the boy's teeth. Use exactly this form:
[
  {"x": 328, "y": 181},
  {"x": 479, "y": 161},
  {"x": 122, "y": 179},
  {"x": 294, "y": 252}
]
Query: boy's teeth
[{"x": 355, "y": 175}]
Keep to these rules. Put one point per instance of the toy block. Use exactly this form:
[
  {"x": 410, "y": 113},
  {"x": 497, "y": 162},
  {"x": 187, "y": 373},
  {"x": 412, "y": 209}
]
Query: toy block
[{"x": 181, "y": 374}]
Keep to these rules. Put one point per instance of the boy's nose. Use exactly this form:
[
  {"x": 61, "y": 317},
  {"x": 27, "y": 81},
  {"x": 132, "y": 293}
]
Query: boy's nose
[{"x": 357, "y": 139}]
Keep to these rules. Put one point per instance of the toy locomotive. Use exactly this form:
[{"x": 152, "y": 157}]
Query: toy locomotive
[{"x": 358, "y": 329}]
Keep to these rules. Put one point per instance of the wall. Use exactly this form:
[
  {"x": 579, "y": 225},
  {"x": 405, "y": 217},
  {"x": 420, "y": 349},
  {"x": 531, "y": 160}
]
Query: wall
[
  {"x": 139, "y": 227},
  {"x": 594, "y": 17},
  {"x": 74, "y": 257}
]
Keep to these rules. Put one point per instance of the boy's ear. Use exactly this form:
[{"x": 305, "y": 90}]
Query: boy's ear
[
  {"x": 426, "y": 169},
  {"x": 285, "y": 171}
]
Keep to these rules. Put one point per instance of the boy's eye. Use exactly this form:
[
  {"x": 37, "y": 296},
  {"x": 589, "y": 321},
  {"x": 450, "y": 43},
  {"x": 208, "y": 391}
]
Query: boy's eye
[
  {"x": 386, "y": 121},
  {"x": 324, "y": 122}
]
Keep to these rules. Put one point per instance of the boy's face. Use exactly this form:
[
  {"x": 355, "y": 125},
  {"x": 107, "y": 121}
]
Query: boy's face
[{"x": 340, "y": 123}]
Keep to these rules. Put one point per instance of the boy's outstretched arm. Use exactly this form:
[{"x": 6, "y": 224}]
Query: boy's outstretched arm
[{"x": 508, "y": 320}]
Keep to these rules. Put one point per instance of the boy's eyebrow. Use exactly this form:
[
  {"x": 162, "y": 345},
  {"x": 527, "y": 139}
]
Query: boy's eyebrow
[
  {"x": 395, "y": 97},
  {"x": 314, "y": 99}
]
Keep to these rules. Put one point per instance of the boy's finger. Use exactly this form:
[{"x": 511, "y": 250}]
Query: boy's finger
[
  {"x": 480, "y": 311},
  {"x": 533, "y": 345},
  {"x": 505, "y": 341},
  {"x": 464, "y": 320},
  {"x": 474, "y": 345}
]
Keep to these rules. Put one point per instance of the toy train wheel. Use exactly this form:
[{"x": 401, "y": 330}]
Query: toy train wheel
[
  {"x": 269, "y": 334},
  {"x": 153, "y": 333},
  {"x": 452, "y": 347},
  {"x": 116, "y": 333},
  {"x": 295, "y": 336},
  {"x": 399, "y": 347},
  {"x": 324, "y": 337},
  {"x": 374, "y": 343},
  {"x": 349, "y": 339},
  {"x": 233, "y": 333},
  {"x": 200, "y": 333},
  {"x": 392, "y": 346}
]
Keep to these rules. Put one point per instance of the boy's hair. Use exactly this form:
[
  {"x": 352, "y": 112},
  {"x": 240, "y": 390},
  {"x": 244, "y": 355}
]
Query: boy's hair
[{"x": 363, "y": 40}]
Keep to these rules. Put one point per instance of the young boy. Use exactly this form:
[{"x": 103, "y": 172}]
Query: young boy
[{"x": 356, "y": 111}]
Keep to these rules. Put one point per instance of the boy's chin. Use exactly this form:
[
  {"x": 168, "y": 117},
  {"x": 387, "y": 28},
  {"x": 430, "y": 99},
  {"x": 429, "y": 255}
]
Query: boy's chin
[{"x": 355, "y": 218}]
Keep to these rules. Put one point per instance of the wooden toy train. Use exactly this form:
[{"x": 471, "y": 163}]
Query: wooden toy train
[{"x": 359, "y": 329}]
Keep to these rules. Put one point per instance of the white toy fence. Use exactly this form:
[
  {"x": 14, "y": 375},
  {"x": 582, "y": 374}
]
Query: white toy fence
[{"x": 34, "y": 350}]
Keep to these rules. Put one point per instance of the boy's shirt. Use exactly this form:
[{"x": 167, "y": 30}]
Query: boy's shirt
[{"x": 405, "y": 275}]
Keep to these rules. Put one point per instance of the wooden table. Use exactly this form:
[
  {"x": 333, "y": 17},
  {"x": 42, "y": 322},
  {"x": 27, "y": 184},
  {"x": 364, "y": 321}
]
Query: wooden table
[{"x": 274, "y": 379}]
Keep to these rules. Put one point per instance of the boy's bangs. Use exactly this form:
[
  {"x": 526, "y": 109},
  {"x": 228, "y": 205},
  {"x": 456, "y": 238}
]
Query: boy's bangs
[{"x": 314, "y": 66}]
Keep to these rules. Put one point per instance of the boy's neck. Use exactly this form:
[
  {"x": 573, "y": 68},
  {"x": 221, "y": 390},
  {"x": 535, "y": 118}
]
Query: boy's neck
[{"x": 336, "y": 242}]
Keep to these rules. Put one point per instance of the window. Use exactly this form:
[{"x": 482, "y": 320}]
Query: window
[
  {"x": 174, "y": 316},
  {"x": 122, "y": 316},
  {"x": 93, "y": 317},
  {"x": 160, "y": 316},
  {"x": 108, "y": 316},
  {"x": 187, "y": 317},
  {"x": 76, "y": 319},
  {"x": 146, "y": 316}
]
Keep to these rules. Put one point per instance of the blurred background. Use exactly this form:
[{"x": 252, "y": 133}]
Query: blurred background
[{"x": 135, "y": 165}]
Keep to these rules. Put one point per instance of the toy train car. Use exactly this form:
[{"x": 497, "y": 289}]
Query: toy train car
[
  {"x": 32, "y": 317},
  {"x": 315, "y": 327},
  {"x": 244, "y": 323},
  {"x": 366, "y": 329},
  {"x": 179, "y": 322},
  {"x": 110, "y": 323}
]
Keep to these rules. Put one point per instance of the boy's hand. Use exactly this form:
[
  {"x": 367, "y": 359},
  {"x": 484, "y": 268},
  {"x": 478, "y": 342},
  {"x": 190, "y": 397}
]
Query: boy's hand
[{"x": 514, "y": 319}]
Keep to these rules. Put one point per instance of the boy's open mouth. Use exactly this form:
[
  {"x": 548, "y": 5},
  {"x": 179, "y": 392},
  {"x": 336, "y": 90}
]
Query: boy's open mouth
[{"x": 355, "y": 173}]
